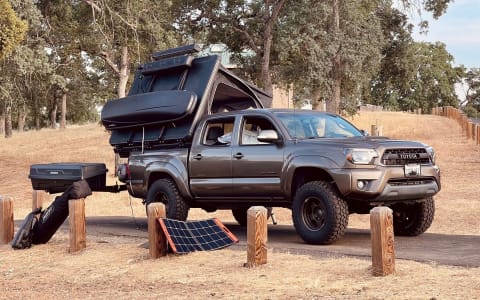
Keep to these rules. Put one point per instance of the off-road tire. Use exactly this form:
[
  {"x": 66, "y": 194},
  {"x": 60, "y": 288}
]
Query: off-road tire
[
  {"x": 319, "y": 215},
  {"x": 165, "y": 191},
  {"x": 240, "y": 215},
  {"x": 413, "y": 219}
]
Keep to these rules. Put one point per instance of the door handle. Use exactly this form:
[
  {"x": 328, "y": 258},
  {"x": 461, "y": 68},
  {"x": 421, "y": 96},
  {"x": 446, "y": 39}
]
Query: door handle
[
  {"x": 197, "y": 156},
  {"x": 238, "y": 155}
]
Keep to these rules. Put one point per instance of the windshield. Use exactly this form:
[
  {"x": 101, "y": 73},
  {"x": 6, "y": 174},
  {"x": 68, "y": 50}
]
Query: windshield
[{"x": 312, "y": 125}]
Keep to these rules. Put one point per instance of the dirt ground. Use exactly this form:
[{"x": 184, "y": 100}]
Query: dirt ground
[{"x": 118, "y": 267}]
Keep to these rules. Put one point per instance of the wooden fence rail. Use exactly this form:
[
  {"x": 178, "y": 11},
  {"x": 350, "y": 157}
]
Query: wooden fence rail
[{"x": 469, "y": 128}]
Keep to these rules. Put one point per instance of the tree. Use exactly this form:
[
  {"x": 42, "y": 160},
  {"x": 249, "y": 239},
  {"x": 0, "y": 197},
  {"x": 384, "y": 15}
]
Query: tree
[
  {"x": 434, "y": 83},
  {"x": 242, "y": 25},
  {"x": 12, "y": 32},
  {"x": 416, "y": 75},
  {"x": 398, "y": 68},
  {"x": 335, "y": 46},
  {"x": 23, "y": 71},
  {"x": 12, "y": 29},
  {"x": 122, "y": 31},
  {"x": 472, "y": 99}
]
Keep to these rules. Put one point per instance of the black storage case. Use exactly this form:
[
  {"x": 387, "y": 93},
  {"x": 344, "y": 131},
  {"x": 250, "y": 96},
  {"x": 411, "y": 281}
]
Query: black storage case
[{"x": 57, "y": 177}]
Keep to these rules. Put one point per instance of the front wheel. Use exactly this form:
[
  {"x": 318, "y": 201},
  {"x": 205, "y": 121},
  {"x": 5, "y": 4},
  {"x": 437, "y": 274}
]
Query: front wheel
[
  {"x": 319, "y": 215},
  {"x": 165, "y": 191},
  {"x": 413, "y": 219}
]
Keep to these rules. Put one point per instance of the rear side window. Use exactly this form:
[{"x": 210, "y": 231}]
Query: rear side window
[{"x": 218, "y": 132}]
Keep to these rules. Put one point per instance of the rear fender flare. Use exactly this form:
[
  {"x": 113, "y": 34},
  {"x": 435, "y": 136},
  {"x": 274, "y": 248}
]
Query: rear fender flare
[{"x": 172, "y": 168}]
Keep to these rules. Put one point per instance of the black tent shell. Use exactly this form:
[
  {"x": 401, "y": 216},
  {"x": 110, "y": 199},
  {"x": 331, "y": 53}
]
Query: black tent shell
[{"x": 170, "y": 95}]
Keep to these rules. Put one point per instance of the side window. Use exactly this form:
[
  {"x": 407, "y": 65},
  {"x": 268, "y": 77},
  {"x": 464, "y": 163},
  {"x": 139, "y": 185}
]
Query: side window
[
  {"x": 251, "y": 128},
  {"x": 218, "y": 132}
]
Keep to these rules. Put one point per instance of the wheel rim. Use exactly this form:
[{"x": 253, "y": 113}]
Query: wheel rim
[
  {"x": 162, "y": 197},
  {"x": 314, "y": 213},
  {"x": 404, "y": 216}
]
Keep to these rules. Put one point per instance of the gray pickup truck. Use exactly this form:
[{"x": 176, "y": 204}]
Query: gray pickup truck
[{"x": 196, "y": 135}]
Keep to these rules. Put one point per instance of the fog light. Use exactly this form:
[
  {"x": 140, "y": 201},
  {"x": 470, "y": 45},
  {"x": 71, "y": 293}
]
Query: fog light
[{"x": 360, "y": 184}]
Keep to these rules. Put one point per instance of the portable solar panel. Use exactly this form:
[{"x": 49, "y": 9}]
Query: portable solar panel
[{"x": 190, "y": 236}]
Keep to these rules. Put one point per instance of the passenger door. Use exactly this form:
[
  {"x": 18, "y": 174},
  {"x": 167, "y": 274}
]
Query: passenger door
[
  {"x": 210, "y": 161},
  {"x": 257, "y": 166}
]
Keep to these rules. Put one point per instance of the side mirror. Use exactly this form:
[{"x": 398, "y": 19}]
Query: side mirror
[
  {"x": 268, "y": 136},
  {"x": 364, "y": 132}
]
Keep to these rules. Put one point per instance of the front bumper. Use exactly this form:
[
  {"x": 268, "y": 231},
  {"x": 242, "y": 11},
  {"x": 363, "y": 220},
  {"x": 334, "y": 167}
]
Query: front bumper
[{"x": 387, "y": 183}]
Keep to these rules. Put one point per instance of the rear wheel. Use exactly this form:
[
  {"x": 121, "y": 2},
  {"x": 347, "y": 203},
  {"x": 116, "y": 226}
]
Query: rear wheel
[
  {"x": 413, "y": 219},
  {"x": 166, "y": 192},
  {"x": 240, "y": 215},
  {"x": 319, "y": 214}
]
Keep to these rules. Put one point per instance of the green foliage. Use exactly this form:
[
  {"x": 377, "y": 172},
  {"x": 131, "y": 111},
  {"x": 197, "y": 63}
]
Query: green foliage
[
  {"x": 142, "y": 26},
  {"x": 412, "y": 75},
  {"x": 307, "y": 46},
  {"x": 76, "y": 47},
  {"x": 243, "y": 25},
  {"x": 12, "y": 29},
  {"x": 472, "y": 99},
  {"x": 434, "y": 83}
]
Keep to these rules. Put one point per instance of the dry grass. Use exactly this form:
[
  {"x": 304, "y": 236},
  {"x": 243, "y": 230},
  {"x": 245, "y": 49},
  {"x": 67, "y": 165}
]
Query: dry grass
[
  {"x": 116, "y": 270},
  {"x": 115, "y": 267}
]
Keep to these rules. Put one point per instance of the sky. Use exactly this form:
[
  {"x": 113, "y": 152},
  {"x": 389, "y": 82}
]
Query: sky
[{"x": 459, "y": 30}]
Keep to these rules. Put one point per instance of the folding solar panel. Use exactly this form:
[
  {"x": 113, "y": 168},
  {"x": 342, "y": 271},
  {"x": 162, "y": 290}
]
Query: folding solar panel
[{"x": 204, "y": 235}]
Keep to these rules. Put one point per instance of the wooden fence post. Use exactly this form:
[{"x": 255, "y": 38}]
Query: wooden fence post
[
  {"x": 156, "y": 238},
  {"x": 76, "y": 220},
  {"x": 474, "y": 132},
  {"x": 256, "y": 236},
  {"x": 38, "y": 197},
  {"x": 383, "y": 246},
  {"x": 478, "y": 134},
  {"x": 469, "y": 129},
  {"x": 377, "y": 130},
  {"x": 6, "y": 220},
  {"x": 374, "y": 130}
]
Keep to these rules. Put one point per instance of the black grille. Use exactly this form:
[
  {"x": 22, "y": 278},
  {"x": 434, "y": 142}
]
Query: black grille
[
  {"x": 403, "y": 182},
  {"x": 405, "y": 156}
]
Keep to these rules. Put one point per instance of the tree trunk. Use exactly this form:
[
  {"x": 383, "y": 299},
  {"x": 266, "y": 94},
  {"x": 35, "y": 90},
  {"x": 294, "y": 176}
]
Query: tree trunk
[
  {"x": 270, "y": 17},
  {"x": 37, "y": 121},
  {"x": 36, "y": 111},
  {"x": 8, "y": 122},
  {"x": 63, "y": 118},
  {"x": 53, "y": 117},
  {"x": 2, "y": 120},
  {"x": 265, "y": 72},
  {"x": 334, "y": 104},
  {"x": 22, "y": 115},
  {"x": 317, "y": 103},
  {"x": 124, "y": 72}
]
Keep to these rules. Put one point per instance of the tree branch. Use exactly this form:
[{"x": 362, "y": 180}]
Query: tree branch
[
  {"x": 93, "y": 5},
  {"x": 108, "y": 59}
]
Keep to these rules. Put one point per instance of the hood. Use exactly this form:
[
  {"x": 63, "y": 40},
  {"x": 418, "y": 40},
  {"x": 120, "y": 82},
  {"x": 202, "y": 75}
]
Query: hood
[{"x": 371, "y": 142}]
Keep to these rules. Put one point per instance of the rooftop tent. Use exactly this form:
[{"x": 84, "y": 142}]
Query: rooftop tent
[{"x": 168, "y": 97}]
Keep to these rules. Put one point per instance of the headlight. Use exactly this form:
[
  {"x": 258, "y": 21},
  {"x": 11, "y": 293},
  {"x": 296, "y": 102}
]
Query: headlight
[
  {"x": 361, "y": 156},
  {"x": 431, "y": 154}
]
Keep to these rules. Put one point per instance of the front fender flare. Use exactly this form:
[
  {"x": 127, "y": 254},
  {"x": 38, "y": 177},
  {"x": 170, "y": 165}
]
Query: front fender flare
[{"x": 305, "y": 161}]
